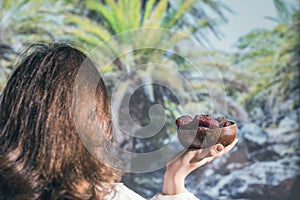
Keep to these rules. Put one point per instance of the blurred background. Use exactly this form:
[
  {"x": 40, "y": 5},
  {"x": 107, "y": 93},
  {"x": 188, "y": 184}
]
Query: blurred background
[{"x": 254, "y": 45}]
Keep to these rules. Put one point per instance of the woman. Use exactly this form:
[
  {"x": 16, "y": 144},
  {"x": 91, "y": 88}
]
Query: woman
[{"x": 41, "y": 154}]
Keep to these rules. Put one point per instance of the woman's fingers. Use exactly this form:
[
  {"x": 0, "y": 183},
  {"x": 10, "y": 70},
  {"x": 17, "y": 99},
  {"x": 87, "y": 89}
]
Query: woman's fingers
[
  {"x": 229, "y": 147},
  {"x": 217, "y": 150},
  {"x": 202, "y": 162},
  {"x": 197, "y": 155},
  {"x": 212, "y": 152},
  {"x": 202, "y": 156}
]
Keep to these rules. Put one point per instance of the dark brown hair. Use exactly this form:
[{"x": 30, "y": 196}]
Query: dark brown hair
[{"x": 41, "y": 155}]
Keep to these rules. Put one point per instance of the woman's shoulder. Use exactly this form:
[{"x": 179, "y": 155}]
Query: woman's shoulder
[{"x": 124, "y": 193}]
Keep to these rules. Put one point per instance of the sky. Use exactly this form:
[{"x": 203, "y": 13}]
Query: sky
[{"x": 248, "y": 15}]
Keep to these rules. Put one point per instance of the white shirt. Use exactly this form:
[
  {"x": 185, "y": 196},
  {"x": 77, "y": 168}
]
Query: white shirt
[{"x": 124, "y": 193}]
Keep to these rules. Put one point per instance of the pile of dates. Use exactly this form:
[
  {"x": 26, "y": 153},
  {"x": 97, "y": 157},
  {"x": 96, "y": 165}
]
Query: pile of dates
[{"x": 203, "y": 131}]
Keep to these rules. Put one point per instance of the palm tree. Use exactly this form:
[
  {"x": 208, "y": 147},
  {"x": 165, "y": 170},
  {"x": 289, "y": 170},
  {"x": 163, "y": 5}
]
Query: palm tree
[
  {"x": 23, "y": 22},
  {"x": 96, "y": 22},
  {"x": 113, "y": 17},
  {"x": 146, "y": 31},
  {"x": 271, "y": 58}
]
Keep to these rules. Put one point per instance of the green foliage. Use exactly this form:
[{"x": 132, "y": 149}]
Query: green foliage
[
  {"x": 270, "y": 56},
  {"x": 91, "y": 22},
  {"x": 113, "y": 17},
  {"x": 23, "y": 22}
]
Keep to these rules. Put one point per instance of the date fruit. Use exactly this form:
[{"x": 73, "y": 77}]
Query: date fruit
[
  {"x": 203, "y": 131},
  {"x": 183, "y": 120}
]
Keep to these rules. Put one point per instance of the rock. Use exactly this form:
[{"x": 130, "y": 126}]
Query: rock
[
  {"x": 295, "y": 192},
  {"x": 260, "y": 180},
  {"x": 261, "y": 115},
  {"x": 264, "y": 165},
  {"x": 290, "y": 121},
  {"x": 265, "y": 154},
  {"x": 146, "y": 185},
  {"x": 254, "y": 136}
]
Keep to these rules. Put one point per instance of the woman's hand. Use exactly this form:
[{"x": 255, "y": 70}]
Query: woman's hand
[{"x": 178, "y": 169}]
